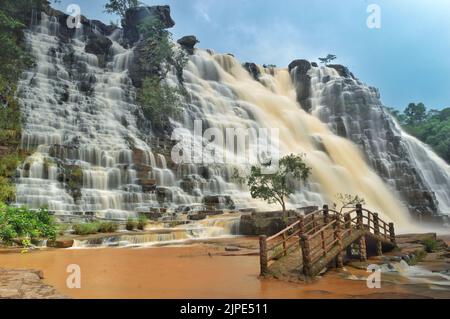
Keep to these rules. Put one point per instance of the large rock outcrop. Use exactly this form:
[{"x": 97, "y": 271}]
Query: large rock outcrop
[
  {"x": 188, "y": 43},
  {"x": 138, "y": 15},
  {"x": 303, "y": 80},
  {"x": 354, "y": 111}
]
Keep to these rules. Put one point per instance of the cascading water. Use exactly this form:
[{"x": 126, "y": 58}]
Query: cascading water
[
  {"x": 81, "y": 121},
  {"x": 94, "y": 131},
  {"x": 353, "y": 110}
]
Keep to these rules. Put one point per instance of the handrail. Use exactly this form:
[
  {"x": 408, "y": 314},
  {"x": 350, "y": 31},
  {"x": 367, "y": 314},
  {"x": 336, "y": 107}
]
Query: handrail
[{"x": 320, "y": 232}]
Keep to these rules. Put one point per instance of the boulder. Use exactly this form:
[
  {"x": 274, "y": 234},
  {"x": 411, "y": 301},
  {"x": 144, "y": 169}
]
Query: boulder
[
  {"x": 267, "y": 223},
  {"x": 302, "y": 66},
  {"x": 303, "y": 82},
  {"x": 188, "y": 43},
  {"x": 342, "y": 70},
  {"x": 253, "y": 69},
  {"x": 60, "y": 243},
  {"x": 137, "y": 15},
  {"x": 98, "y": 44},
  {"x": 218, "y": 202}
]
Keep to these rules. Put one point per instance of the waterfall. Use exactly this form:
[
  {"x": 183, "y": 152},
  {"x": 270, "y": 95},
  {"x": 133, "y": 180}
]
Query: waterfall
[
  {"x": 353, "y": 110},
  {"x": 81, "y": 120}
]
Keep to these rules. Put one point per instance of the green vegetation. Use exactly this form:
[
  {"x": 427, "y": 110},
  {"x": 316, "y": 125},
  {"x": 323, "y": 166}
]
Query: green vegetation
[
  {"x": 131, "y": 224},
  {"x": 94, "y": 228},
  {"x": 431, "y": 127},
  {"x": 328, "y": 59},
  {"x": 431, "y": 245},
  {"x": 159, "y": 100},
  {"x": 348, "y": 201},
  {"x": 108, "y": 227},
  {"x": 13, "y": 59},
  {"x": 85, "y": 228},
  {"x": 275, "y": 187},
  {"x": 120, "y": 7},
  {"x": 19, "y": 224},
  {"x": 142, "y": 222}
]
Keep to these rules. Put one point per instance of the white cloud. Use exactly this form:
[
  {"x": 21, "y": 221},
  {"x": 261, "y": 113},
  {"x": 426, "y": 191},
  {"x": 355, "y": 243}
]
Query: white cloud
[{"x": 202, "y": 8}]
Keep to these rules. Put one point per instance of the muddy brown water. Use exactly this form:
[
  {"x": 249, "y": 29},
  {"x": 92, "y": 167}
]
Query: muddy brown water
[{"x": 195, "y": 271}]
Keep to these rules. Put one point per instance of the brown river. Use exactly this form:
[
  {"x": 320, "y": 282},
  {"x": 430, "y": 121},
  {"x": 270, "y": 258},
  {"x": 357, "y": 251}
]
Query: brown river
[{"x": 194, "y": 271}]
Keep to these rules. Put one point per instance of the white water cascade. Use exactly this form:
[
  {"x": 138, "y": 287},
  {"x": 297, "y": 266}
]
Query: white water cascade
[{"x": 98, "y": 132}]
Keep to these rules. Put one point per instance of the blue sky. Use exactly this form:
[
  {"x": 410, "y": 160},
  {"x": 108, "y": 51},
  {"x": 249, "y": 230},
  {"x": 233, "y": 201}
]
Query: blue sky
[{"x": 407, "y": 58}]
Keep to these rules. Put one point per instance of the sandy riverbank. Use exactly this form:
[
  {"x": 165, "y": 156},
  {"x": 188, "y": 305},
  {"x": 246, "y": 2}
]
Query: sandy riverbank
[{"x": 203, "y": 270}]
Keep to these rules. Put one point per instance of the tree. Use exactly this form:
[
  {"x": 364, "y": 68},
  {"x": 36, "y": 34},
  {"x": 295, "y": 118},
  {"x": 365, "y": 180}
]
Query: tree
[
  {"x": 415, "y": 113},
  {"x": 120, "y": 7},
  {"x": 159, "y": 101},
  {"x": 327, "y": 59},
  {"x": 348, "y": 201},
  {"x": 274, "y": 188}
]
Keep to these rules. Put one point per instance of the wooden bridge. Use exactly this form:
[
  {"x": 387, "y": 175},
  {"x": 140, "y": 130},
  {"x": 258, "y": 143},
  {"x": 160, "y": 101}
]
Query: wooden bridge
[{"x": 323, "y": 237}]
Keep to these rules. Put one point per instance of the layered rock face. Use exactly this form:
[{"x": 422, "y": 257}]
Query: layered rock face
[
  {"x": 95, "y": 153},
  {"x": 354, "y": 111}
]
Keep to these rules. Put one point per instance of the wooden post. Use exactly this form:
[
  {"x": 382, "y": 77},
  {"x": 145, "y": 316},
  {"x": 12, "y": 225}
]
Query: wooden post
[
  {"x": 376, "y": 222},
  {"x": 348, "y": 225},
  {"x": 322, "y": 238},
  {"x": 284, "y": 244},
  {"x": 301, "y": 225},
  {"x": 362, "y": 249},
  {"x": 263, "y": 254},
  {"x": 313, "y": 217},
  {"x": 304, "y": 243},
  {"x": 326, "y": 214},
  {"x": 360, "y": 218},
  {"x": 392, "y": 233},
  {"x": 337, "y": 234}
]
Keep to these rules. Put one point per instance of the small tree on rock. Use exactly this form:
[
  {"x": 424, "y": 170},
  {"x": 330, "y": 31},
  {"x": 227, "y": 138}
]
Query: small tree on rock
[
  {"x": 328, "y": 59},
  {"x": 274, "y": 188},
  {"x": 348, "y": 201},
  {"x": 120, "y": 7}
]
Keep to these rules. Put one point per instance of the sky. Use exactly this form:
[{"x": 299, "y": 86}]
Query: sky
[{"x": 407, "y": 58}]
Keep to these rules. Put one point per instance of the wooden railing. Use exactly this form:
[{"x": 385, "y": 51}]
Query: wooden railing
[{"x": 323, "y": 235}]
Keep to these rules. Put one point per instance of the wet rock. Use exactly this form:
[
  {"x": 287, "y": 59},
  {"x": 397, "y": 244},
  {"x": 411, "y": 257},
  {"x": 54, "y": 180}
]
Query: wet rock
[
  {"x": 229, "y": 248},
  {"x": 188, "y": 43},
  {"x": 218, "y": 202},
  {"x": 342, "y": 70},
  {"x": 25, "y": 284},
  {"x": 138, "y": 15},
  {"x": 303, "y": 82},
  {"x": 253, "y": 69},
  {"x": 265, "y": 223},
  {"x": 67, "y": 243},
  {"x": 98, "y": 44},
  {"x": 354, "y": 111}
]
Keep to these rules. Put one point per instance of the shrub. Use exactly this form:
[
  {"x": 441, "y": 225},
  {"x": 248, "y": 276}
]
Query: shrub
[
  {"x": 142, "y": 222},
  {"x": 7, "y": 190},
  {"x": 131, "y": 224},
  {"x": 21, "y": 223},
  {"x": 431, "y": 245},
  {"x": 108, "y": 227},
  {"x": 62, "y": 229},
  {"x": 85, "y": 228}
]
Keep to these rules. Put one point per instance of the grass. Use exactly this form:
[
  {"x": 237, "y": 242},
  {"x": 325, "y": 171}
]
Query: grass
[
  {"x": 131, "y": 224},
  {"x": 142, "y": 222},
  {"x": 85, "y": 228},
  {"x": 431, "y": 245},
  {"x": 95, "y": 228},
  {"x": 108, "y": 227}
]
